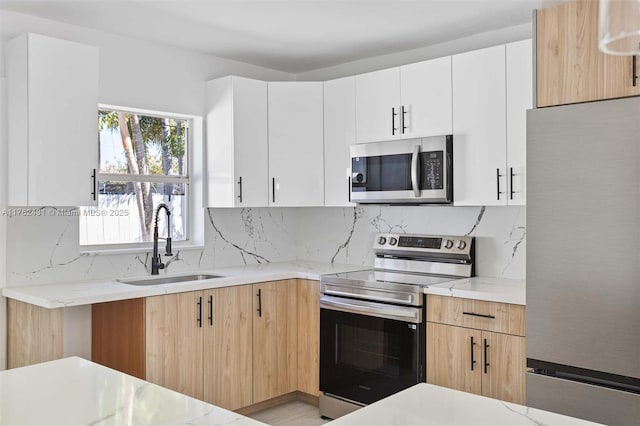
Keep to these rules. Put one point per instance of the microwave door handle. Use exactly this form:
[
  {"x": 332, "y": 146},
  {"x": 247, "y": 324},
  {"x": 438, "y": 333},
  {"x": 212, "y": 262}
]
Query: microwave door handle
[{"x": 414, "y": 171}]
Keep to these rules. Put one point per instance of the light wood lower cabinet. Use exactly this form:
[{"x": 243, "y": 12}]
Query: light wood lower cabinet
[
  {"x": 34, "y": 334},
  {"x": 174, "y": 357},
  {"x": 234, "y": 347},
  {"x": 118, "y": 324},
  {"x": 464, "y": 353},
  {"x": 228, "y": 363},
  {"x": 309, "y": 337},
  {"x": 275, "y": 339}
]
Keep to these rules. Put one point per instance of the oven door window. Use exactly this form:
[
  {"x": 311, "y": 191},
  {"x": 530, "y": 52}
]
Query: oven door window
[{"x": 364, "y": 358}]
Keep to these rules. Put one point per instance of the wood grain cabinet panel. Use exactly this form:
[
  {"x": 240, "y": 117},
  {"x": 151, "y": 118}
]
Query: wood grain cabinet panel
[
  {"x": 450, "y": 352},
  {"x": 506, "y": 364},
  {"x": 174, "y": 338},
  {"x": 474, "y": 353},
  {"x": 117, "y": 336},
  {"x": 570, "y": 67},
  {"x": 309, "y": 337},
  {"x": 228, "y": 369},
  {"x": 34, "y": 334},
  {"x": 274, "y": 339}
]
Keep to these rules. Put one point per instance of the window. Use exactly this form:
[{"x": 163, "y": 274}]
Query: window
[{"x": 145, "y": 161}]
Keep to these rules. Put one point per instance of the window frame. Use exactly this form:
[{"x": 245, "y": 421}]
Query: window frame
[{"x": 193, "y": 181}]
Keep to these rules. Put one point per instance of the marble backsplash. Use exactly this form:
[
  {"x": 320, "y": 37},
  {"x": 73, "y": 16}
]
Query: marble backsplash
[{"x": 45, "y": 248}]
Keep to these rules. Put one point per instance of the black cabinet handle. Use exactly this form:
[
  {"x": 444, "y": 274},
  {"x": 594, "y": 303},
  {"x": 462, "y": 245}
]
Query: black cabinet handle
[
  {"x": 473, "y": 314},
  {"x": 259, "y": 302},
  {"x": 349, "y": 188},
  {"x": 634, "y": 71},
  {"x": 473, "y": 360},
  {"x": 210, "y": 310},
  {"x": 486, "y": 350},
  {"x": 93, "y": 185},
  {"x": 511, "y": 191},
  {"x": 273, "y": 189},
  {"x": 393, "y": 120},
  {"x": 402, "y": 110},
  {"x": 200, "y": 311},
  {"x": 498, "y": 176},
  {"x": 240, "y": 183}
]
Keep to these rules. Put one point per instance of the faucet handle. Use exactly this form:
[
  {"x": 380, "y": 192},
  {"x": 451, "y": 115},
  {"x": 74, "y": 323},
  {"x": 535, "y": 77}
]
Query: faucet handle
[{"x": 168, "y": 248}]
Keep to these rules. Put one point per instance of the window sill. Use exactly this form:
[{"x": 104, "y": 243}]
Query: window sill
[{"x": 102, "y": 250}]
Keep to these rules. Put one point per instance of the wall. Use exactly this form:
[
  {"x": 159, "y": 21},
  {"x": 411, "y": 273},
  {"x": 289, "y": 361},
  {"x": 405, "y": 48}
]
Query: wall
[
  {"x": 3, "y": 221},
  {"x": 465, "y": 44}
]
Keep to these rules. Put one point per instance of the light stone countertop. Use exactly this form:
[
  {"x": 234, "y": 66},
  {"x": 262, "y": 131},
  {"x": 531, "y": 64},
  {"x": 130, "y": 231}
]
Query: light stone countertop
[
  {"x": 74, "y": 391},
  {"x": 425, "y": 404},
  {"x": 59, "y": 295},
  {"x": 67, "y": 294},
  {"x": 480, "y": 288}
]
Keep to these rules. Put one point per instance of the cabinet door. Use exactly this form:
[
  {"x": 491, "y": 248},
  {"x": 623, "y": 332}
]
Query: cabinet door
[
  {"x": 295, "y": 144},
  {"x": 53, "y": 137},
  {"x": 339, "y": 133},
  {"x": 454, "y": 357},
  {"x": 275, "y": 339},
  {"x": 378, "y": 105},
  {"x": 479, "y": 128},
  {"x": 505, "y": 358},
  {"x": 519, "y": 57},
  {"x": 228, "y": 374},
  {"x": 309, "y": 337},
  {"x": 426, "y": 98},
  {"x": 570, "y": 67},
  {"x": 174, "y": 341},
  {"x": 237, "y": 150}
]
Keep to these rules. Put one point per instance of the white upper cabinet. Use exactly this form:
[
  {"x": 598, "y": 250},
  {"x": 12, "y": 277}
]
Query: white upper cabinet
[
  {"x": 339, "y": 133},
  {"x": 519, "y": 100},
  {"x": 237, "y": 149},
  {"x": 404, "y": 102},
  {"x": 479, "y": 127},
  {"x": 53, "y": 115},
  {"x": 426, "y": 98},
  {"x": 295, "y": 144},
  {"x": 492, "y": 89},
  {"x": 378, "y": 105}
]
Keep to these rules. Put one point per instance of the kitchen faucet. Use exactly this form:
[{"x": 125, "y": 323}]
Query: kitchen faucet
[{"x": 156, "y": 262}]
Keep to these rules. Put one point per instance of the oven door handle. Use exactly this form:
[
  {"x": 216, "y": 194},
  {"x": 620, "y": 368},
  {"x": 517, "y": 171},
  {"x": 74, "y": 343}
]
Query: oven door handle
[
  {"x": 409, "y": 299},
  {"x": 415, "y": 184},
  {"x": 380, "y": 310}
]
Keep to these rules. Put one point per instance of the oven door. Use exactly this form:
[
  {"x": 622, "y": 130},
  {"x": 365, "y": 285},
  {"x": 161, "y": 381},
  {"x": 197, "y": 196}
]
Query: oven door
[
  {"x": 409, "y": 171},
  {"x": 369, "y": 350}
]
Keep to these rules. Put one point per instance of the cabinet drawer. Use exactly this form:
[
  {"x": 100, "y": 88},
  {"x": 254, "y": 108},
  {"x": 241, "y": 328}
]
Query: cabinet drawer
[{"x": 478, "y": 314}]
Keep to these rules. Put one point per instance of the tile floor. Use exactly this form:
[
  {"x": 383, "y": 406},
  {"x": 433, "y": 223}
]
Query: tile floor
[{"x": 295, "y": 413}]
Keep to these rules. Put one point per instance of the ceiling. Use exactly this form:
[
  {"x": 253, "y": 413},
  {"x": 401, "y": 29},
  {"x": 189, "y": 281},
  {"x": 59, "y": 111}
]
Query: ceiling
[{"x": 292, "y": 35}]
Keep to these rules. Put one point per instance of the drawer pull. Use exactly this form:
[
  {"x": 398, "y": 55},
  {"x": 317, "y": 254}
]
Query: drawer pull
[{"x": 473, "y": 314}]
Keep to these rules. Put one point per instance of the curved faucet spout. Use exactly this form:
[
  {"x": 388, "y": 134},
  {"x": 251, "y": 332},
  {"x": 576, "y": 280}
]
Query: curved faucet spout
[{"x": 156, "y": 261}]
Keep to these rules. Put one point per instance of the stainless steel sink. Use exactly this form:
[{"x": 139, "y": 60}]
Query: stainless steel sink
[{"x": 170, "y": 280}]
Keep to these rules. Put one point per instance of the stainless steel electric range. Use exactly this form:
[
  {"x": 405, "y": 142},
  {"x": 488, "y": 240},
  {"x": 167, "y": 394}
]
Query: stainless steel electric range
[{"x": 372, "y": 323}]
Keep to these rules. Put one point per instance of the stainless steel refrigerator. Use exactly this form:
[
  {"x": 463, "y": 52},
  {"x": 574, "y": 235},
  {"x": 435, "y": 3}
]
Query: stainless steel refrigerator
[{"x": 583, "y": 260}]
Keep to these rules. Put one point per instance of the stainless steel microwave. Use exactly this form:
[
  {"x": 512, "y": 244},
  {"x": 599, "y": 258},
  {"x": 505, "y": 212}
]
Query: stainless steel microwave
[{"x": 412, "y": 171}]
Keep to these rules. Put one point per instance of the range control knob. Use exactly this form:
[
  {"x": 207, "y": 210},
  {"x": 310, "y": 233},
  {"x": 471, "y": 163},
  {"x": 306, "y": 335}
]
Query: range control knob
[
  {"x": 393, "y": 241},
  {"x": 461, "y": 245},
  {"x": 382, "y": 240},
  {"x": 447, "y": 244}
]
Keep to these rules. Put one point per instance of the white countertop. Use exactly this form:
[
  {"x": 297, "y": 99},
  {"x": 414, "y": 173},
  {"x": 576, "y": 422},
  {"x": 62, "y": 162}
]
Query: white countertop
[
  {"x": 59, "y": 295},
  {"x": 425, "y": 404},
  {"x": 74, "y": 391},
  {"x": 491, "y": 289}
]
